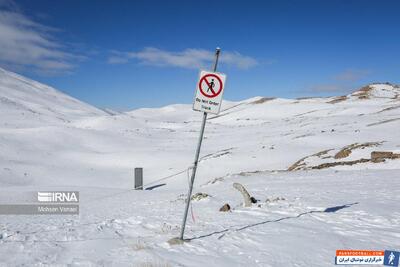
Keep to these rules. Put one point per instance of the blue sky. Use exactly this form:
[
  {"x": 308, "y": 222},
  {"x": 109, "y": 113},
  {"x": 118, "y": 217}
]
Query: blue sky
[{"x": 130, "y": 54}]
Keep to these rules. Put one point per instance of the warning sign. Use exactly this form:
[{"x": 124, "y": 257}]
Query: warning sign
[{"x": 209, "y": 92}]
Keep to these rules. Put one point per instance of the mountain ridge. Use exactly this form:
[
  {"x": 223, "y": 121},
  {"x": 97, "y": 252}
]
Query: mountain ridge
[{"x": 23, "y": 99}]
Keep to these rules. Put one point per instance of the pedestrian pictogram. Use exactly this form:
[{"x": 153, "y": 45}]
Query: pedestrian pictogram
[
  {"x": 209, "y": 92},
  {"x": 210, "y": 85}
]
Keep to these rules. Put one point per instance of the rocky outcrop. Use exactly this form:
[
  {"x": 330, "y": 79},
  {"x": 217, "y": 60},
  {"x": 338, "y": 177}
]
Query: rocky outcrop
[
  {"x": 225, "y": 208},
  {"x": 346, "y": 151},
  {"x": 340, "y": 163},
  {"x": 381, "y": 156}
]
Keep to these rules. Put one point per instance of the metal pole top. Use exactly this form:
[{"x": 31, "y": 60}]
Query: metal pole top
[{"x": 217, "y": 51}]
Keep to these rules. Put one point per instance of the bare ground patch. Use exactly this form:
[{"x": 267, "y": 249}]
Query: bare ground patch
[
  {"x": 376, "y": 157},
  {"x": 300, "y": 164},
  {"x": 364, "y": 92},
  {"x": 346, "y": 151},
  {"x": 337, "y": 99},
  {"x": 262, "y": 100}
]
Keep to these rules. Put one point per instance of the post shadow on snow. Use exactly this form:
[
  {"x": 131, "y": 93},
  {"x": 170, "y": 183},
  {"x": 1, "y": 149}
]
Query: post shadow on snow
[
  {"x": 154, "y": 186},
  {"x": 327, "y": 210}
]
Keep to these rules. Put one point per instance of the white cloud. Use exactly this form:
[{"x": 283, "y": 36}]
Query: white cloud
[
  {"x": 328, "y": 88},
  {"x": 118, "y": 59},
  {"x": 343, "y": 82},
  {"x": 188, "y": 58},
  {"x": 352, "y": 75},
  {"x": 28, "y": 44}
]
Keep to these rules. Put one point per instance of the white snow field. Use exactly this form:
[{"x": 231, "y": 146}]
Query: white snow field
[{"x": 306, "y": 161}]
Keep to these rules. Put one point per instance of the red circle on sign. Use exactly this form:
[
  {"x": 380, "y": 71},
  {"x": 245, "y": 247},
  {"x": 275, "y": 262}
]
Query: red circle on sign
[{"x": 213, "y": 93}]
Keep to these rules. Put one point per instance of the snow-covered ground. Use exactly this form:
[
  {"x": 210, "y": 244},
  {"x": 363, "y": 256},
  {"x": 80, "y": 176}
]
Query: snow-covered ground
[{"x": 50, "y": 141}]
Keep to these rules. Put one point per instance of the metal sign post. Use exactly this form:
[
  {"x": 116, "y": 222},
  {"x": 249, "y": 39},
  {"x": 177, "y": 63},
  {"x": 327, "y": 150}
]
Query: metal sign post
[{"x": 196, "y": 158}]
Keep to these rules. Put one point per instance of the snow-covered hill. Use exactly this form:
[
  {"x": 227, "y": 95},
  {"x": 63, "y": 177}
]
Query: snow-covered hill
[
  {"x": 26, "y": 103},
  {"x": 299, "y": 157}
]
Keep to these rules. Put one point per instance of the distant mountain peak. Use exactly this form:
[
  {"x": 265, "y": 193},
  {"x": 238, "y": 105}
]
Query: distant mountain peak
[{"x": 378, "y": 90}]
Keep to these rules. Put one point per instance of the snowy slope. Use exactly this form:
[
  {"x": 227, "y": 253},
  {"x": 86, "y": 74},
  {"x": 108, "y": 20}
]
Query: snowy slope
[
  {"x": 275, "y": 147},
  {"x": 25, "y": 103}
]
